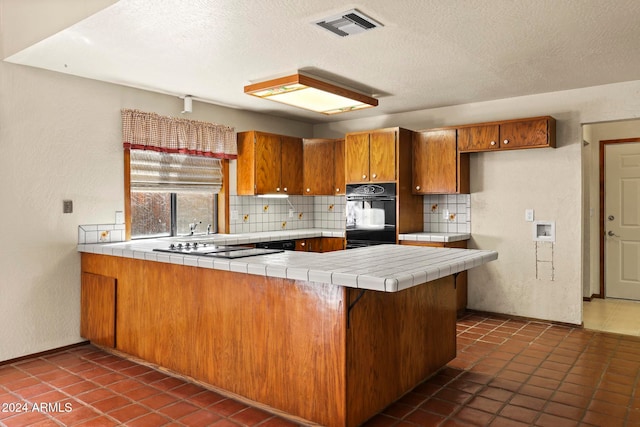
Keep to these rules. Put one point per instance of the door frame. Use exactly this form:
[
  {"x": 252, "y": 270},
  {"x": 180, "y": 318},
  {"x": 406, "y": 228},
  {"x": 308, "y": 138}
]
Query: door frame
[{"x": 603, "y": 143}]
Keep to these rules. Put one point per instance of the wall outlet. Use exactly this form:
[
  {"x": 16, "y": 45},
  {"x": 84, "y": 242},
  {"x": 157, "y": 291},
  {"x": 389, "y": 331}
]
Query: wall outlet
[
  {"x": 119, "y": 217},
  {"x": 290, "y": 213},
  {"x": 234, "y": 215},
  {"x": 528, "y": 215},
  {"x": 67, "y": 206}
]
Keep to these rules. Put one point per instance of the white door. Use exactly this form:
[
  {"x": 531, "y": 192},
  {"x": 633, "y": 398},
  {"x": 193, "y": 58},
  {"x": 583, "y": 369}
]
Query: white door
[{"x": 622, "y": 220}]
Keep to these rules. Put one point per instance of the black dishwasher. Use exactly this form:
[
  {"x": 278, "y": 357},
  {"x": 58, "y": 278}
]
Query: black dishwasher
[{"x": 287, "y": 245}]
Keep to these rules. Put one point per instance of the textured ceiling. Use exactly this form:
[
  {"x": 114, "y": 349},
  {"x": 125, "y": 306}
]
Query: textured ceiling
[{"x": 430, "y": 53}]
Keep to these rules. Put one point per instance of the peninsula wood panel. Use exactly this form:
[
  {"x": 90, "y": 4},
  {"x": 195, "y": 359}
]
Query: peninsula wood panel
[
  {"x": 385, "y": 358},
  {"x": 461, "y": 280},
  {"x": 98, "y": 309},
  {"x": 248, "y": 334}
]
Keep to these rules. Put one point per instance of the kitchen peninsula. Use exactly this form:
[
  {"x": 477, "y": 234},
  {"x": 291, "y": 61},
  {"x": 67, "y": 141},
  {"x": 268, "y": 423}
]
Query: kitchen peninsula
[{"x": 332, "y": 338}]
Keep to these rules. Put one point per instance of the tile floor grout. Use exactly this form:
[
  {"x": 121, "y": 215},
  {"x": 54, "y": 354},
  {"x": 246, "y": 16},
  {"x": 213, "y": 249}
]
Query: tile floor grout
[{"x": 508, "y": 372}]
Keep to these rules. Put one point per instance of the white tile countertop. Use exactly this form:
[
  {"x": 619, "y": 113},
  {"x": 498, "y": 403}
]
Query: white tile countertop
[
  {"x": 388, "y": 268},
  {"x": 435, "y": 237}
]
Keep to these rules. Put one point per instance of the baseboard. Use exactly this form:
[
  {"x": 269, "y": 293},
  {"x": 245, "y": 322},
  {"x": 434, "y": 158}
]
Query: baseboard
[
  {"x": 522, "y": 318},
  {"x": 43, "y": 353}
]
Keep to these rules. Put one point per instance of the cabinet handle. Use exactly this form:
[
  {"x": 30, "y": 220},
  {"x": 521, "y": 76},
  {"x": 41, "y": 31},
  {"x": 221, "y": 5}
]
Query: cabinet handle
[
  {"x": 375, "y": 175},
  {"x": 493, "y": 143},
  {"x": 418, "y": 187},
  {"x": 308, "y": 190},
  {"x": 337, "y": 190},
  {"x": 285, "y": 189},
  {"x": 364, "y": 176},
  {"x": 278, "y": 189},
  {"x": 506, "y": 141},
  {"x": 303, "y": 244}
]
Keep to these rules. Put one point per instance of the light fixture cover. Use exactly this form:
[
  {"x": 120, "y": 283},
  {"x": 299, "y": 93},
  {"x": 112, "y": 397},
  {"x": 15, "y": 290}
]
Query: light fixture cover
[{"x": 312, "y": 94}]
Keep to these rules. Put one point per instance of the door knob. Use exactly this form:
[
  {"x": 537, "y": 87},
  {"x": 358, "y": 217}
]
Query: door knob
[
  {"x": 612, "y": 234},
  {"x": 610, "y": 217}
]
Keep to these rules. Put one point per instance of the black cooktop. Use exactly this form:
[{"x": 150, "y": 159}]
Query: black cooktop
[
  {"x": 228, "y": 252},
  {"x": 242, "y": 253}
]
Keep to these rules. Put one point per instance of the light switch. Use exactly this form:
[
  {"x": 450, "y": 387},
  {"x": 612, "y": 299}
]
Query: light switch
[{"x": 528, "y": 215}]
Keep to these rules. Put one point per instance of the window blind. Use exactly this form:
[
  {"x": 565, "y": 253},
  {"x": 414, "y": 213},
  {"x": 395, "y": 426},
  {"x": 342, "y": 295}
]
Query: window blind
[{"x": 153, "y": 171}]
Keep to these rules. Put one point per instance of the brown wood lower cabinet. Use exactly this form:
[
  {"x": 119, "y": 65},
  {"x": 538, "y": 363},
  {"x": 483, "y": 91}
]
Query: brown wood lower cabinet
[
  {"x": 461, "y": 281},
  {"x": 321, "y": 244},
  {"x": 98, "y": 309},
  {"x": 331, "y": 355}
]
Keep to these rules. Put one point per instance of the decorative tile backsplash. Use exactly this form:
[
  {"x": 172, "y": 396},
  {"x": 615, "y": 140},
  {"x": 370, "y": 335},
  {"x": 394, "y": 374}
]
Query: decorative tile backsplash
[
  {"x": 100, "y": 233},
  {"x": 447, "y": 213},
  {"x": 442, "y": 213},
  {"x": 255, "y": 214}
]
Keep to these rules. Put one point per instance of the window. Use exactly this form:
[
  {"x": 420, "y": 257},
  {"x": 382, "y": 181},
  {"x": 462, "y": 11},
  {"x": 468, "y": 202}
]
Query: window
[
  {"x": 173, "y": 194},
  {"x": 172, "y": 214},
  {"x": 173, "y": 173}
]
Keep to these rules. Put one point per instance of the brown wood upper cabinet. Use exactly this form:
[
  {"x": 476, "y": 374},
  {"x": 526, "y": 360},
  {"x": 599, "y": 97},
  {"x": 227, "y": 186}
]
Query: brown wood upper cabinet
[
  {"x": 437, "y": 167},
  {"x": 323, "y": 167},
  {"x": 269, "y": 164},
  {"x": 536, "y": 132},
  {"x": 371, "y": 156}
]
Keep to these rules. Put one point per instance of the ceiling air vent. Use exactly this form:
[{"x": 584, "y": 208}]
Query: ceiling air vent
[{"x": 348, "y": 23}]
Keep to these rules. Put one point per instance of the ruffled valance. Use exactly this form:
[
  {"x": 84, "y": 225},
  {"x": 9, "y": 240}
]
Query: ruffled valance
[{"x": 150, "y": 131}]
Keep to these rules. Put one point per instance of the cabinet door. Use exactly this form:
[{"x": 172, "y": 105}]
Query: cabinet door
[
  {"x": 267, "y": 163},
  {"x": 339, "y": 179},
  {"x": 382, "y": 156},
  {"x": 291, "y": 165},
  {"x": 479, "y": 138},
  {"x": 435, "y": 162},
  {"x": 330, "y": 244},
  {"x": 357, "y": 158},
  {"x": 318, "y": 167},
  {"x": 98, "y": 309},
  {"x": 532, "y": 133}
]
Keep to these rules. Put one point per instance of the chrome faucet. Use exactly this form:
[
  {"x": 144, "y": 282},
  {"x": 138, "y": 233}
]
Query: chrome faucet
[
  {"x": 193, "y": 226},
  {"x": 208, "y": 228}
]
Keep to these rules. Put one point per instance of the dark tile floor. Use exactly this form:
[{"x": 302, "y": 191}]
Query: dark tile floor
[{"x": 507, "y": 373}]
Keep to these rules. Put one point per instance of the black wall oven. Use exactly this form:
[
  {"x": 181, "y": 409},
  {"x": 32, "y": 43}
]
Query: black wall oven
[{"x": 371, "y": 214}]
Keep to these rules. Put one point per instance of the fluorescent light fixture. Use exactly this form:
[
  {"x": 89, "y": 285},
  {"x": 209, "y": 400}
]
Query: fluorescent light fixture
[{"x": 311, "y": 94}]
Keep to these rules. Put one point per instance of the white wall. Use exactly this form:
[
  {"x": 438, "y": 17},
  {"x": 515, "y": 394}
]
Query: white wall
[
  {"x": 504, "y": 184},
  {"x": 61, "y": 139},
  {"x": 594, "y": 133}
]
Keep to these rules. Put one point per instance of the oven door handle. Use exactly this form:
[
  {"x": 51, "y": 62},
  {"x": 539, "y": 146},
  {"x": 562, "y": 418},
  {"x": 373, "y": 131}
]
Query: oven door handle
[{"x": 369, "y": 199}]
